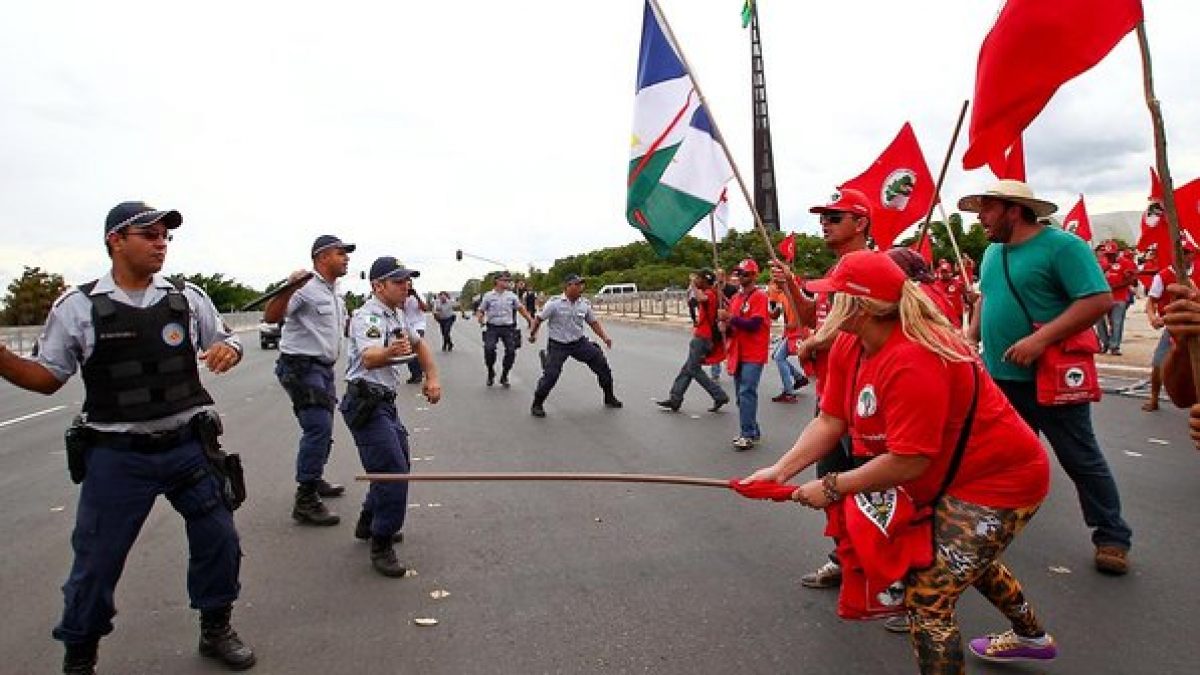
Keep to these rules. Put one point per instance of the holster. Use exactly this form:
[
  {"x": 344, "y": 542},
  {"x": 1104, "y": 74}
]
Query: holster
[
  {"x": 77, "y": 438},
  {"x": 227, "y": 468},
  {"x": 301, "y": 394},
  {"x": 365, "y": 397}
]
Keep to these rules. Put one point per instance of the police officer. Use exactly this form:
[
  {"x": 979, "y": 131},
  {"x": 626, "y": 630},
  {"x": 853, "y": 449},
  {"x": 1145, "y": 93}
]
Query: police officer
[
  {"x": 380, "y": 340},
  {"x": 314, "y": 321},
  {"x": 497, "y": 314},
  {"x": 138, "y": 337},
  {"x": 566, "y": 315}
]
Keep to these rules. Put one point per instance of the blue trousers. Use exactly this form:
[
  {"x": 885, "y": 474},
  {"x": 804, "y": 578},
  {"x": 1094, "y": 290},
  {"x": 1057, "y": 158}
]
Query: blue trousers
[
  {"x": 316, "y": 422},
  {"x": 116, "y": 496},
  {"x": 1069, "y": 430},
  {"x": 584, "y": 350},
  {"x": 509, "y": 337},
  {"x": 745, "y": 382},
  {"x": 383, "y": 448}
]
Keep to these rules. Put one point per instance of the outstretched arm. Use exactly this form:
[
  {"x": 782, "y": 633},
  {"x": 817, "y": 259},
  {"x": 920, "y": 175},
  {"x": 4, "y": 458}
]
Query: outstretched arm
[{"x": 26, "y": 373}]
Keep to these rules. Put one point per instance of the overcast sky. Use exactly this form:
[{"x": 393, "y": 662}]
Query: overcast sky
[{"x": 501, "y": 128}]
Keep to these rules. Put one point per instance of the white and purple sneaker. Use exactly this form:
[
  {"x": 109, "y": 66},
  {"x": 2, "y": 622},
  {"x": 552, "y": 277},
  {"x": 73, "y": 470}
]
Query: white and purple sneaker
[{"x": 1009, "y": 646}]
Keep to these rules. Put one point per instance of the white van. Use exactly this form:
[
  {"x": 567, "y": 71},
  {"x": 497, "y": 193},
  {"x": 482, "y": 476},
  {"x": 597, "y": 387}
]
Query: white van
[{"x": 616, "y": 291}]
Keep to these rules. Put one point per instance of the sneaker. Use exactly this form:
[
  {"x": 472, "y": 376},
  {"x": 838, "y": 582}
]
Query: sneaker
[
  {"x": 1009, "y": 646},
  {"x": 1115, "y": 352},
  {"x": 668, "y": 404},
  {"x": 785, "y": 398},
  {"x": 743, "y": 443},
  {"x": 828, "y": 575},
  {"x": 536, "y": 410},
  {"x": 716, "y": 406},
  {"x": 611, "y": 401},
  {"x": 1112, "y": 560},
  {"x": 896, "y": 624},
  {"x": 504, "y": 381}
]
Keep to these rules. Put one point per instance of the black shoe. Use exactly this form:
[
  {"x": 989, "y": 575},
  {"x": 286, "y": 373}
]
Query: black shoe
[
  {"x": 362, "y": 529},
  {"x": 611, "y": 401},
  {"x": 668, "y": 404},
  {"x": 219, "y": 641},
  {"x": 80, "y": 658},
  {"x": 491, "y": 377},
  {"x": 504, "y": 379},
  {"x": 716, "y": 406},
  {"x": 326, "y": 489},
  {"x": 536, "y": 410},
  {"x": 383, "y": 558},
  {"x": 309, "y": 509}
]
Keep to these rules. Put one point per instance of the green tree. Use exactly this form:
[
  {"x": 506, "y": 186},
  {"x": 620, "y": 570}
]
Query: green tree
[
  {"x": 30, "y": 296},
  {"x": 226, "y": 294}
]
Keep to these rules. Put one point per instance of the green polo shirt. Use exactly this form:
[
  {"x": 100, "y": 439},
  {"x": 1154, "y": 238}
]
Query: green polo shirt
[{"x": 1050, "y": 271}]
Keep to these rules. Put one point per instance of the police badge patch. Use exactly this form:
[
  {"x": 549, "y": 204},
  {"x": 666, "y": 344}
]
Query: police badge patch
[
  {"x": 172, "y": 334},
  {"x": 373, "y": 332}
]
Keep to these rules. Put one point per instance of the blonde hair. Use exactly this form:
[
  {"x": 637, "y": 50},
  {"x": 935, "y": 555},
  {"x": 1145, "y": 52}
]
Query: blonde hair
[{"x": 920, "y": 319}]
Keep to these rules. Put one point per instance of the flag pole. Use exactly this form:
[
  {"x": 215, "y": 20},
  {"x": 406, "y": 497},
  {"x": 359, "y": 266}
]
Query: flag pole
[
  {"x": 1168, "y": 188},
  {"x": 541, "y": 476},
  {"x": 937, "y": 189},
  {"x": 712, "y": 229},
  {"x": 762, "y": 229},
  {"x": 962, "y": 269}
]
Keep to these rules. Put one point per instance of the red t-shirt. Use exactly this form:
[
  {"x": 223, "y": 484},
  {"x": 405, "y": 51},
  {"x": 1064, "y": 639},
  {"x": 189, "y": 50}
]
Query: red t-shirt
[
  {"x": 751, "y": 346},
  {"x": 705, "y": 315},
  {"x": 906, "y": 400},
  {"x": 1120, "y": 275},
  {"x": 1169, "y": 276},
  {"x": 948, "y": 297}
]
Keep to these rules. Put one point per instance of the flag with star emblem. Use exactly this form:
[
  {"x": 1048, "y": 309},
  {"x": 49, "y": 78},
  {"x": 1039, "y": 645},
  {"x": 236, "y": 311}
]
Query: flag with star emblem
[{"x": 677, "y": 169}]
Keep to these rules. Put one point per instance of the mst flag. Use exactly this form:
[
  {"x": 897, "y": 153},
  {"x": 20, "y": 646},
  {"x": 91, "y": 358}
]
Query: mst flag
[
  {"x": 787, "y": 248},
  {"x": 1077, "y": 223},
  {"x": 1154, "y": 221},
  {"x": 1014, "y": 162},
  {"x": 677, "y": 169},
  {"x": 1033, "y": 49},
  {"x": 899, "y": 186}
]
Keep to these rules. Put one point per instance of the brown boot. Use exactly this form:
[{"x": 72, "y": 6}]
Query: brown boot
[{"x": 1112, "y": 560}]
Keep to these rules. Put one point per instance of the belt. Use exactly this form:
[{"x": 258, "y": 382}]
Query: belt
[
  {"x": 366, "y": 389},
  {"x": 502, "y": 325},
  {"x": 305, "y": 358},
  {"x": 160, "y": 441}
]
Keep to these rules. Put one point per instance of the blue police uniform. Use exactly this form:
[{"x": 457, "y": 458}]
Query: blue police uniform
[
  {"x": 565, "y": 320},
  {"x": 369, "y": 409},
  {"x": 499, "y": 310},
  {"x": 143, "y": 393}
]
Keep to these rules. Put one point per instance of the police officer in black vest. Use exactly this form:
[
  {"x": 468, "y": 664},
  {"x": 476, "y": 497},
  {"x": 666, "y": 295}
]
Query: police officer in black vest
[{"x": 147, "y": 429}]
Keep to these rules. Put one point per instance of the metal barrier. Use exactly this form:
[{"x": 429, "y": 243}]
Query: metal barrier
[
  {"x": 20, "y": 339},
  {"x": 645, "y": 304}
]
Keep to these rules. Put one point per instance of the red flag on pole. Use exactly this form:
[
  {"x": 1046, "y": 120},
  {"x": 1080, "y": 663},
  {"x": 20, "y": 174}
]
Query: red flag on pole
[
  {"x": 924, "y": 248},
  {"x": 1076, "y": 221},
  {"x": 1032, "y": 50},
  {"x": 1156, "y": 193},
  {"x": 787, "y": 248},
  {"x": 1154, "y": 224},
  {"x": 899, "y": 186},
  {"x": 1014, "y": 162}
]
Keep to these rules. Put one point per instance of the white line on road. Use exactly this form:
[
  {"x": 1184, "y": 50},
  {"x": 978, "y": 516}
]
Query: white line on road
[{"x": 30, "y": 416}]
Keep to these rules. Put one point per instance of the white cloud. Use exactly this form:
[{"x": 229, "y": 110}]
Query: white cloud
[{"x": 502, "y": 129}]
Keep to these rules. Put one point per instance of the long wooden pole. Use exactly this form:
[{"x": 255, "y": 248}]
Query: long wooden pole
[
  {"x": 762, "y": 229},
  {"x": 1168, "y": 187},
  {"x": 265, "y": 297},
  {"x": 937, "y": 188},
  {"x": 541, "y": 476},
  {"x": 712, "y": 230}
]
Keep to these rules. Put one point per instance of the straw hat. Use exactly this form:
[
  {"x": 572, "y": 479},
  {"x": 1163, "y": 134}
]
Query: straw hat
[{"x": 1010, "y": 191}]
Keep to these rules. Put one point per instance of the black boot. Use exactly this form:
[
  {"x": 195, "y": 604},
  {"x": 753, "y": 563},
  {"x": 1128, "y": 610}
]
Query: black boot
[
  {"x": 491, "y": 376},
  {"x": 536, "y": 409},
  {"x": 383, "y": 557},
  {"x": 362, "y": 529},
  {"x": 309, "y": 509},
  {"x": 504, "y": 378},
  {"x": 80, "y": 658},
  {"x": 611, "y": 400},
  {"x": 327, "y": 489},
  {"x": 218, "y": 640}
]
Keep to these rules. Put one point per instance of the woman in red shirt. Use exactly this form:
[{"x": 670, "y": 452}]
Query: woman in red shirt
[{"x": 901, "y": 382}]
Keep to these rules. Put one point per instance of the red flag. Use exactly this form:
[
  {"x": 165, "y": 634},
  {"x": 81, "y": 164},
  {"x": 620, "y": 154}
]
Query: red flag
[
  {"x": 899, "y": 186},
  {"x": 787, "y": 248},
  {"x": 1154, "y": 225},
  {"x": 1076, "y": 221},
  {"x": 1014, "y": 162},
  {"x": 1156, "y": 193},
  {"x": 1032, "y": 50},
  {"x": 924, "y": 248}
]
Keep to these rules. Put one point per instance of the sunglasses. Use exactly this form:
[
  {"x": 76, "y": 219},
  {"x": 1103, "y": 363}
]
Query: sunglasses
[
  {"x": 833, "y": 218},
  {"x": 150, "y": 235}
]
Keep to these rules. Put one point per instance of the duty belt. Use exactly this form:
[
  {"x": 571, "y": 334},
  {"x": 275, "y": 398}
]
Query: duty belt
[
  {"x": 304, "y": 358},
  {"x": 364, "y": 389},
  {"x": 145, "y": 442}
]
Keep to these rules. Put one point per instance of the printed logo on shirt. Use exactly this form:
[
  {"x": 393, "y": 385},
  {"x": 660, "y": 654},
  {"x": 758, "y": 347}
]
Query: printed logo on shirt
[
  {"x": 1074, "y": 377},
  {"x": 868, "y": 403},
  {"x": 373, "y": 332},
  {"x": 172, "y": 334},
  {"x": 878, "y": 507}
]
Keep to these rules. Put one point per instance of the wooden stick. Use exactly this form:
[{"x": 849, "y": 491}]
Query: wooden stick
[
  {"x": 266, "y": 297},
  {"x": 712, "y": 229},
  {"x": 937, "y": 188},
  {"x": 762, "y": 229},
  {"x": 541, "y": 476},
  {"x": 1168, "y": 188}
]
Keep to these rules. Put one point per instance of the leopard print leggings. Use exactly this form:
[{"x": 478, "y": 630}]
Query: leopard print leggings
[{"x": 969, "y": 539}]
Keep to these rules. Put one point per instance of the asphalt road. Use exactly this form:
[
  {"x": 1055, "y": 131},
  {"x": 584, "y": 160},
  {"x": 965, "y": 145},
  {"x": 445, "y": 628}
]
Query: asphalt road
[{"x": 572, "y": 577}]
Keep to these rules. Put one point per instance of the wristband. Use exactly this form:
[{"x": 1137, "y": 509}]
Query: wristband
[{"x": 829, "y": 487}]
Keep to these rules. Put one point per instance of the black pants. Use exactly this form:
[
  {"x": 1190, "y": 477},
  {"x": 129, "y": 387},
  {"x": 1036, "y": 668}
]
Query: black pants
[
  {"x": 583, "y": 350},
  {"x": 505, "y": 334},
  {"x": 446, "y": 325},
  {"x": 415, "y": 370}
]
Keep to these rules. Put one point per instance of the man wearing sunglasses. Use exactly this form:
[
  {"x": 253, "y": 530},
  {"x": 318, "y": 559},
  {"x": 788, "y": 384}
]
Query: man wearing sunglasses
[{"x": 138, "y": 338}]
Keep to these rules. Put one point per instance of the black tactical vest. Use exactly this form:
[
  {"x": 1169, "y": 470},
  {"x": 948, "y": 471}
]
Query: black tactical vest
[{"x": 143, "y": 366}]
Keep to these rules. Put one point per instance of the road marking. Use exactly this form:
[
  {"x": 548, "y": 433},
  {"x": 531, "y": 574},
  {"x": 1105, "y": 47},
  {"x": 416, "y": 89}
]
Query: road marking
[
  {"x": 1158, "y": 441},
  {"x": 30, "y": 416},
  {"x": 1133, "y": 454}
]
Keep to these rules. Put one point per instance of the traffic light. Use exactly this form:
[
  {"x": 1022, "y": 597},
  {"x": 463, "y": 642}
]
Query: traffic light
[{"x": 458, "y": 254}]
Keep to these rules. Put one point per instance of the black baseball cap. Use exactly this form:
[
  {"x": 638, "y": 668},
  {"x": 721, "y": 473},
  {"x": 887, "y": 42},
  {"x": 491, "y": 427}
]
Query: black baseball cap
[
  {"x": 328, "y": 241},
  {"x": 573, "y": 279},
  {"x": 707, "y": 275},
  {"x": 388, "y": 267},
  {"x": 139, "y": 214}
]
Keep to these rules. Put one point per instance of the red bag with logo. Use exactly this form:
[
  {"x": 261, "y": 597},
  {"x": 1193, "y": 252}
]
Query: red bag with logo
[{"x": 1066, "y": 371}]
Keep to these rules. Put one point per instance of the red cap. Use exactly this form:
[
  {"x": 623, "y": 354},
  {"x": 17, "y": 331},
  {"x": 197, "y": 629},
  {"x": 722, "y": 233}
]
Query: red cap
[
  {"x": 945, "y": 265},
  {"x": 748, "y": 266},
  {"x": 1110, "y": 246},
  {"x": 846, "y": 200},
  {"x": 870, "y": 274}
]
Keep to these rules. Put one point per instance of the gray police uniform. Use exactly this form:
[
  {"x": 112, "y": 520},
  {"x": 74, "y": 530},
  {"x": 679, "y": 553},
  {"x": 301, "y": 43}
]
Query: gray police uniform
[
  {"x": 143, "y": 396},
  {"x": 565, "y": 322},
  {"x": 500, "y": 324},
  {"x": 369, "y": 409},
  {"x": 309, "y": 344}
]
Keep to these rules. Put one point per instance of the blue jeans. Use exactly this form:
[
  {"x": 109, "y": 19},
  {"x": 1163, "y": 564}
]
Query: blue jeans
[
  {"x": 786, "y": 370},
  {"x": 116, "y": 496},
  {"x": 383, "y": 448},
  {"x": 745, "y": 382},
  {"x": 1116, "y": 322},
  {"x": 1069, "y": 430}
]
